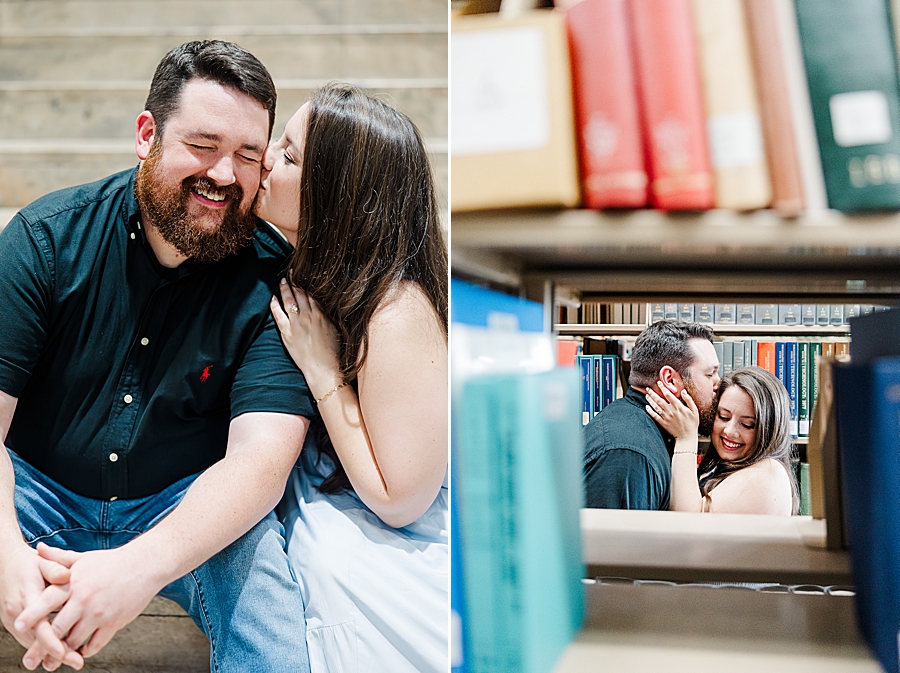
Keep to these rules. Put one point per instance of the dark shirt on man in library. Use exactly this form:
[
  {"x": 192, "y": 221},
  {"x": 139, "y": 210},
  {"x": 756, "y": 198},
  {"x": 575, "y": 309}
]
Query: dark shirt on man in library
[{"x": 627, "y": 461}]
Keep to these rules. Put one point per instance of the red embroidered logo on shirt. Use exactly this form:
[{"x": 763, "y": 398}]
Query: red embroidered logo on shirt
[{"x": 205, "y": 374}]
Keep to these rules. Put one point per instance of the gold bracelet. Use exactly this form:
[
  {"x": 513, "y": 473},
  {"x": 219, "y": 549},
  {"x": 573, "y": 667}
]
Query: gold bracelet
[
  {"x": 335, "y": 389},
  {"x": 693, "y": 453}
]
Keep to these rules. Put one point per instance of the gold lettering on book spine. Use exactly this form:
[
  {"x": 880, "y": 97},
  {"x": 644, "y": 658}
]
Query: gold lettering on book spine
[{"x": 682, "y": 183}]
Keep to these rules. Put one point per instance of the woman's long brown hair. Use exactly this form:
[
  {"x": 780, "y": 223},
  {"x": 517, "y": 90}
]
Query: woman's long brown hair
[{"x": 368, "y": 220}]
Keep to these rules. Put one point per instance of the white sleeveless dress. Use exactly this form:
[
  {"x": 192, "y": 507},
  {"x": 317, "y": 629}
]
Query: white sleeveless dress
[{"x": 376, "y": 597}]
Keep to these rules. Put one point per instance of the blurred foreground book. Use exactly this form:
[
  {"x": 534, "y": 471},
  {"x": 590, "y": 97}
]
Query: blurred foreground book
[
  {"x": 517, "y": 486},
  {"x": 867, "y": 394}
]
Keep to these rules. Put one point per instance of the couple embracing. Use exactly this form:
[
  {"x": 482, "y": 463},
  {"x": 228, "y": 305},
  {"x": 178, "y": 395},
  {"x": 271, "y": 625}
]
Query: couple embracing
[{"x": 175, "y": 334}]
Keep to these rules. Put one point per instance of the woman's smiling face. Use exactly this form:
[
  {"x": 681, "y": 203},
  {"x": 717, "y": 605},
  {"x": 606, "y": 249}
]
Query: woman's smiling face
[{"x": 734, "y": 428}]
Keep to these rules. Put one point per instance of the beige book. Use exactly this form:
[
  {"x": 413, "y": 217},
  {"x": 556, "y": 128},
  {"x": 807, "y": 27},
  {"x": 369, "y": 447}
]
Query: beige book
[
  {"x": 732, "y": 110},
  {"x": 801, "y": 109},
  {"x": 512, "y": 135}
]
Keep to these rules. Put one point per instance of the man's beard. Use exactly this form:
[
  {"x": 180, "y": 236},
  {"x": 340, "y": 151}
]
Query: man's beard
[
  {"x": 166, "y": 208},
  {"x": 707, "y": 413}
]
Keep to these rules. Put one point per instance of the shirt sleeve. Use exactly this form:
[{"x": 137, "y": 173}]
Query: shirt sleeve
[
  {"x": 26, "y": 291},
  {"x": 268, "y": 379},
  {"x": 622, "y": 479}
]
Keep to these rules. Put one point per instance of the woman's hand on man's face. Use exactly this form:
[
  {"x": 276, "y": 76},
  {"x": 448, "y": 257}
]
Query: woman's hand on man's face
[
  {"x": 679, "y": 418},
  {"x": 309, "y": 337}
]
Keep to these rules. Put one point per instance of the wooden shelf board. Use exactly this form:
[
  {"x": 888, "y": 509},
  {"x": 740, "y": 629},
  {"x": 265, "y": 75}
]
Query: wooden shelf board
[
  {"x": 720, "y": 330},
  {"x": 557, "y": 239},
  {"x": 683, "y": 546}
]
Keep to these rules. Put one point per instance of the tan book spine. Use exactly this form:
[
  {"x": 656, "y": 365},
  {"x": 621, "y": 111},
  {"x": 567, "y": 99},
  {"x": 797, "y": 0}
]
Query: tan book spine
[
  {"x": 732, "y": 109},
  {"x": 801, "y": 109},
  {"x": 774, "y": 106}
]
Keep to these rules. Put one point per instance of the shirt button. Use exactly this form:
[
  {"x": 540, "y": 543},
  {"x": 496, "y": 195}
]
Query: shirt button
[
  {"x": 132, "y": 236},
  {"x": 113, "y": 457},
  {"x": 114, "y": 498},
  {"x": 128, "y": 399},
  {"x": 145, "y": 341}
]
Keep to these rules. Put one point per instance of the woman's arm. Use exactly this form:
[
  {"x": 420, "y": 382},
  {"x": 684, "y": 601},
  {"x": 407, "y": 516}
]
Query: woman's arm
[
  {"x": 762, "y": 488},
  {"x": 392, "y": 438},
  {"x": 681, "y": 420}
]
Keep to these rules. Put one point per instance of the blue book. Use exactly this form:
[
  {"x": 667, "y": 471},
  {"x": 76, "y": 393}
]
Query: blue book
[
  {"x": 780, "y": 373},
  {"x": 474, "y": 305},
  {"x": 598, "y": 383},
  {"x": 457, "y": 590},
  {"x": 519, "y": 449},
  {"x": 791, "y": 354},
  {"x": 868, "y": 414},
  {"x": 586, "y": 369},
  {"x": 609, "y": 379}
]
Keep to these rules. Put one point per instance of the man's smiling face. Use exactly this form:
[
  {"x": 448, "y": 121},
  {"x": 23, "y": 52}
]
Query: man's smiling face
[{"x": 198, "y": 181}]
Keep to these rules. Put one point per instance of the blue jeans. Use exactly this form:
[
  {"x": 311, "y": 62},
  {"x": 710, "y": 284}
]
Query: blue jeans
[{"x": 244, "y": 598}]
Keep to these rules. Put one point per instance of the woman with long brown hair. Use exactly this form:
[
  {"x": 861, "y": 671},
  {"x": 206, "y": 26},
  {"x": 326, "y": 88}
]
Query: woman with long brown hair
[
  {"x": 747, "y": 469},
  {"x": 363, "y": 313}
]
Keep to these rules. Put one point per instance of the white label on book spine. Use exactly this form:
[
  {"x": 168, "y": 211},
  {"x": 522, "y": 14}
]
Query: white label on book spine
[
  {"x": 735, "y": 139},
  {"x": 499, "y": 83},
  {"x": 860, "y": 118}
]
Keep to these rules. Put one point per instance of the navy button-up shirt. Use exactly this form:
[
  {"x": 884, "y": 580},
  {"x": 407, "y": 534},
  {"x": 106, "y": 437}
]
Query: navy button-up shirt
[{"x": 128, "y": 373}]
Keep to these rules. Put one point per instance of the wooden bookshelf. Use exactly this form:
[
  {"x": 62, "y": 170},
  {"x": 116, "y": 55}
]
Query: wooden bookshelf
[
  {"x": 688, "y": 547},
  {"x": 634, "y": 629},
  {"x": 720, "y": 330},
  {"x": 757, "y": 256}
]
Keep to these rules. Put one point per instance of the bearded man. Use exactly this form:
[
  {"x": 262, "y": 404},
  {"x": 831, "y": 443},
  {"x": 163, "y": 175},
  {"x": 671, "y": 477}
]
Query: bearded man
[
  {"x": 149, "y": 413},
  {"x": 628, "y": 456}
]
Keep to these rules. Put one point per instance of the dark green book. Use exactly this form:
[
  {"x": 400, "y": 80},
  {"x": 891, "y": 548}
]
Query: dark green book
[{"x": 851, "y": 67}]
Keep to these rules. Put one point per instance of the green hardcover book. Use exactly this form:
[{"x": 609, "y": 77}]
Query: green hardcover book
[
  {"x": 815, "y": 352},
  {"x": 805, "y": 508},
  {"x": 803, "y": 380},
  {"x": 518, "y": 455},
  {"x": 851, "y": 68}
]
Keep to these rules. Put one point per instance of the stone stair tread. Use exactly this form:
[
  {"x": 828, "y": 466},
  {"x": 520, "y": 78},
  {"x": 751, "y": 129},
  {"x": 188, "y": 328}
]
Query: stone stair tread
[
  {"x": 162, "y": 638},
  {"x": 76, "y": 14},
  {"x": 287, "y": 57}
]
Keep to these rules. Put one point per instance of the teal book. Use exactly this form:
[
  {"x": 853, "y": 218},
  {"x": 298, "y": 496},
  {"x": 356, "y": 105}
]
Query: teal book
[
  {"x": 851, "y": 66},
  {"x": 518, "y": 454}
]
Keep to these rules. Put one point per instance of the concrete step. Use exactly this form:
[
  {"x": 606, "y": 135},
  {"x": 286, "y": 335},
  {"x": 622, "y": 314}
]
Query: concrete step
[
  {"x": 86, "y": 111},
  {"x": 322, "y": 56},
  {"x": 31, "y": 169},
  {"x": 74, "y": 17},
  {"x": 162, "y": 639}
]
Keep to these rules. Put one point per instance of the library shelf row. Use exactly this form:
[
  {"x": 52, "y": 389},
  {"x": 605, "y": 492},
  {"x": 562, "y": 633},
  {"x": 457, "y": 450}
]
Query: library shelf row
[
  {"x": 653, "y": 254},
  {"x": 792, "y": 331},
  {"x": 694, "y": 547}
]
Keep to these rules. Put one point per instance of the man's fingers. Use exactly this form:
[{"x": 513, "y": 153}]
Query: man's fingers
[
  {"x": 46, "y": 646},
  {"x": 62, "y": 556},
  {"x": 98, "y": 641},
  {"x": 52, "y": 598},
  {"x": 64, "y": 625},
  {"x": 51, "y": 664},
  {"x": 53, "y": 572},
  {"x": 74, "y": 660}
]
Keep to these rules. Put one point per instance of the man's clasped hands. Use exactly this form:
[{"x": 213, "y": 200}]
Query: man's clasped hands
[{"x": 93, "y": 596}]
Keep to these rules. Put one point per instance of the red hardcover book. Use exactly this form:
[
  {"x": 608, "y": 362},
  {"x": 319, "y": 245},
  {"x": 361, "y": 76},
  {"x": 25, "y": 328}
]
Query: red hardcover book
[
  {"x": 765, "y": 356},
  {"x": 566, "y": 352},
  {"x": 670, "y": 94},
  {"x": 606, "y": 107}
]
